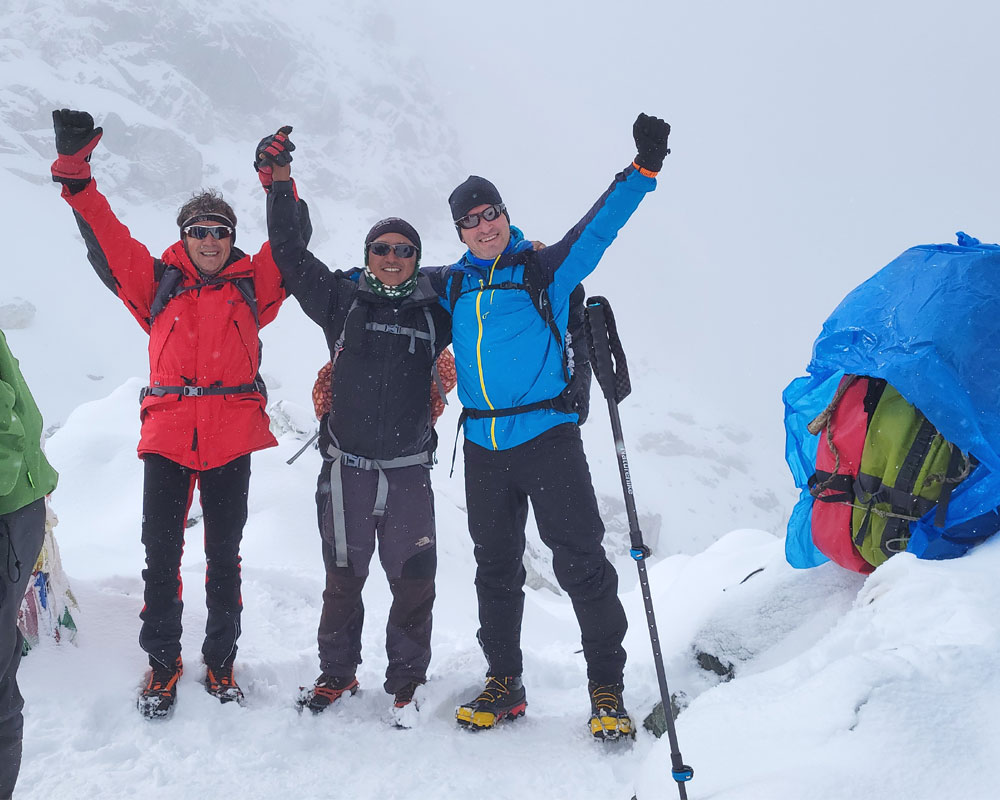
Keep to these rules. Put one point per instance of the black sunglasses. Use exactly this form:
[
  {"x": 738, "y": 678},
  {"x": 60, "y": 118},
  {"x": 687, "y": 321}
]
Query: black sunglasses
[
  {"x": 490, "y": 213},
  {"x": 383, "y": 248},
  {"x": 201, "y": 231}
]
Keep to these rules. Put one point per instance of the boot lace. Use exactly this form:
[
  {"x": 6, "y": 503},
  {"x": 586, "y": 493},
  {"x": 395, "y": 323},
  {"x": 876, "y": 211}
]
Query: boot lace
[
  {"x": 495, "y": 688},
  {"x": 606, "y": 698}
]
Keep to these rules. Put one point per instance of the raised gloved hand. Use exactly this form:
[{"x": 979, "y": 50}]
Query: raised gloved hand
[
  {"x": 273, "y": 150},
  {"x": 650, "y": 134},
  {"x": 76, "y": 138}
]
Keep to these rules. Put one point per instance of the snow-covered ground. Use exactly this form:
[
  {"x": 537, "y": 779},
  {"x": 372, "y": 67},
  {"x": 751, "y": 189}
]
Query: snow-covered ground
[
  {"x": 812, "y": 143},
  {"x": 844, "y": 687}
]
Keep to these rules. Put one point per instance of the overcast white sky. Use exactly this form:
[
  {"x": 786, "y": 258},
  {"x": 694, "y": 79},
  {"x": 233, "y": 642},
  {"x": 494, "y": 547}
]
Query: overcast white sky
[{"x": 812, "y": 143}]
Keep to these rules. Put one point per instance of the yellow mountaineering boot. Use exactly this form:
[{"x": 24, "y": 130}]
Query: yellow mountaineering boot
[
  {"x": 502, "y": 698},
  {"x": 609, "y": 721}
]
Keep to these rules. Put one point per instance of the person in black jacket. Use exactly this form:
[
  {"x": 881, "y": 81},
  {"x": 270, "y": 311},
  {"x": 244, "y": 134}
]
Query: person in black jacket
[{"x": 384, "y": 327}]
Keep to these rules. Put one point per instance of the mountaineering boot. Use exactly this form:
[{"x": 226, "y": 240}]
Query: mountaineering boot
[
  {"x": 326, "y": 690},
  {"x": 220, "y": 684},
  {"x": 609, "y": 721},
  {"x": 406, "y": 707},
  {"x": 156, "y": 700},
  {"x": 502, "y": 698}
]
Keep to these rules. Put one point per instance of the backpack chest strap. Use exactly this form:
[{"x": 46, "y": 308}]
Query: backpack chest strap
[{"x": 401, "y": 330}]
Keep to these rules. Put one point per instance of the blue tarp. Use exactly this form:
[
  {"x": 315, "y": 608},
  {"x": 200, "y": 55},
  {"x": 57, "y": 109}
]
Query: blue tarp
[{"x": 929, "y": 324}]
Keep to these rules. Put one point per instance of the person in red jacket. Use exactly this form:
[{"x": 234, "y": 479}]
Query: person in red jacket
[{"x": 203, "y": 413}]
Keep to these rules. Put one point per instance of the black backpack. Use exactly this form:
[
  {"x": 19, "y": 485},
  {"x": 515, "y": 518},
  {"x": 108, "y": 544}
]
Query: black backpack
[
  {"x": 577, "y": 370},
  {"x": 357, "y": 323}
]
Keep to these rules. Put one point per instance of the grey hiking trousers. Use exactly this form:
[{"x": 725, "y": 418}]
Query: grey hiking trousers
[{"x": 406, "y": 541}]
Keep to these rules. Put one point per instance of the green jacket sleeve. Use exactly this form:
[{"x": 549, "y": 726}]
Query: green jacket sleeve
[
  {"x": 11, "y": 440},
  {"x": 25, "y": 474}
]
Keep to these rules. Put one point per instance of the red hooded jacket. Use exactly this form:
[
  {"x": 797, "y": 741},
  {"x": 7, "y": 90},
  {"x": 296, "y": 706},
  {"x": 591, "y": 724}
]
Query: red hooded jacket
[{"x": 204, "y": 337}]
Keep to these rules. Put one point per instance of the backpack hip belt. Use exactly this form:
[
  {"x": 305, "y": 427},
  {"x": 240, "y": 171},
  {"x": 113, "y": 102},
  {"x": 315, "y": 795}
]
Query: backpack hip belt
[
  {"x": 199, "y": 391},
  {"x": 480, "y": 413},
  {"x": 337, "y": 458}
]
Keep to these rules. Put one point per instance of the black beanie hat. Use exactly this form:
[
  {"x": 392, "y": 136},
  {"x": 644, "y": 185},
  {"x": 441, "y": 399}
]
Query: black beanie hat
[
  {"x": 393, "y": 225},
  {"x": 474, "y": 191}
]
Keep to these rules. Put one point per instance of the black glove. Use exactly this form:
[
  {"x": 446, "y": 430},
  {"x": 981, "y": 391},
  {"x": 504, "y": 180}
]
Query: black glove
[
  {"x": 650, "y": 134},
  {"x": 276, "y": 149},
  {"x": 273, "y": 150},
  {"x": 76, "y": 138}
]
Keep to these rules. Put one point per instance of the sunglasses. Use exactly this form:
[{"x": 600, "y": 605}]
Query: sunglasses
[
  {"x": 401, "y": 250},
  {"x": 490, "y": 213},
  {"x": 201, "y": 231}
]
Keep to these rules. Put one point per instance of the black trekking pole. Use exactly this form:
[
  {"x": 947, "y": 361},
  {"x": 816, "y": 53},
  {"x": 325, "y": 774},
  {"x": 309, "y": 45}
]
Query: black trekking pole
[
  {"x": 611, "y": 371},
  {"x": 304, "y": 447}
]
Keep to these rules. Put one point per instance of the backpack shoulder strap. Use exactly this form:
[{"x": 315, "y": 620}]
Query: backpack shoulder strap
[
  {"x": 455, "y": 288},
  {"x": 432, "y": 346},
  {"x": 341, "y": 339},
  {"x": 168, "y": 280},
  {"x": 432, "y": 332},
  {"x": 245, "y": 287},
  {"x": 538, "y": 290}
]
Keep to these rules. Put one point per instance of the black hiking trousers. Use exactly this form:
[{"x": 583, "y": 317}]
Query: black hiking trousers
[
  {"x": 167, "y": 493},
  {"x": 21, "y": 535},
  {"x": 552, "y": 471}
]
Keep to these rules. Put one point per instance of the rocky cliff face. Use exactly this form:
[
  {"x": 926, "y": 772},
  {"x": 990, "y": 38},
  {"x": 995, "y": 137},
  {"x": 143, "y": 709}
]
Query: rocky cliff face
[{"x": 184, "y": 91}]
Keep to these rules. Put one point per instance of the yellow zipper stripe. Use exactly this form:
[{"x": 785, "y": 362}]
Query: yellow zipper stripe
[{"x": 479, "y": 354}]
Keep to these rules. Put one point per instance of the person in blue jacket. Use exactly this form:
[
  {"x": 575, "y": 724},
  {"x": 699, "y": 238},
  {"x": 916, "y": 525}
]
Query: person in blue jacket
[{"x": 511, "y": 309}]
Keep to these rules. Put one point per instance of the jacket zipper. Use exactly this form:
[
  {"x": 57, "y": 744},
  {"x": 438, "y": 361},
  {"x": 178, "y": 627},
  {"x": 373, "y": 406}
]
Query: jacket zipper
[{"x": 479, "y": 353}]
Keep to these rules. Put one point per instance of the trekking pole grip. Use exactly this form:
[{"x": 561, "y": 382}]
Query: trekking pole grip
[{"x": 607, "y": 353}]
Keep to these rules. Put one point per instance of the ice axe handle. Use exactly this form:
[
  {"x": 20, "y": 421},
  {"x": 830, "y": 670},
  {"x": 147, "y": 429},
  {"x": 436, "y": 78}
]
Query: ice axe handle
[{"x": 606, "y": 352}]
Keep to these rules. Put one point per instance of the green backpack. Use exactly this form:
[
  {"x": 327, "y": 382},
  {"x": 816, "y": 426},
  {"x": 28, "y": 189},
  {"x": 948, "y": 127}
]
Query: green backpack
[{"x": 905, "y": 466}]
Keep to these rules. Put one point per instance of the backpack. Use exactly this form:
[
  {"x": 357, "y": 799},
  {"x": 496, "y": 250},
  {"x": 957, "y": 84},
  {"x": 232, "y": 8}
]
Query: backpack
[
  {"x": 444, "y": 364},
  {"x": 880, "y": 466},
  {"x": 169, "y": 285},
  {"x": 577, "y": 370},
  {"x": 322, "y": 392},
  {"x": 362, "y": 323}
]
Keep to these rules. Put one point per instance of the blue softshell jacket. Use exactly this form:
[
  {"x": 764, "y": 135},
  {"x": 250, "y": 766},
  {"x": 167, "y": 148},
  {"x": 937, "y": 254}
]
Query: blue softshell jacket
[
  {"x": 929, "y": 324},
  {"x": 505, "y": 353}
]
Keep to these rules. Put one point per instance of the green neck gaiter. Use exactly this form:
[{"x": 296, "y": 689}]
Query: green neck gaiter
[{"x": 392, "y": 292}]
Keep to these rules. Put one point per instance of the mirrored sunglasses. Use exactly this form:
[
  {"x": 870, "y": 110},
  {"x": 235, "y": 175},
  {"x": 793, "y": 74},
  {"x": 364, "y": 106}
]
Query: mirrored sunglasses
[
  {"x": 490, "y": 213},
  {"x": 201, "y": 231},
  {"x": 383, "y": 248}
]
